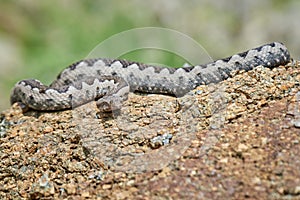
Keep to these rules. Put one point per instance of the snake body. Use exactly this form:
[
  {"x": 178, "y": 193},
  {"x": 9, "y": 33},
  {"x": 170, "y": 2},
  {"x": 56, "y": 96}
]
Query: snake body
[{"x": 110, "y": 80}]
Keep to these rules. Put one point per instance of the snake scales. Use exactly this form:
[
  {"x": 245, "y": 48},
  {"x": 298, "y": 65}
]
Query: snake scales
[{"x": 109, "y": 81}]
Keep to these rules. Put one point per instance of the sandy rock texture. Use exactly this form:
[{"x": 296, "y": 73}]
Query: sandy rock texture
[{"x": 237, "y": 139}]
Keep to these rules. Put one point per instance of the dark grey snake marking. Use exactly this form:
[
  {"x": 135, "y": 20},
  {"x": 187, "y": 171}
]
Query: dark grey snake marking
[{"x": 109, "y": 81}]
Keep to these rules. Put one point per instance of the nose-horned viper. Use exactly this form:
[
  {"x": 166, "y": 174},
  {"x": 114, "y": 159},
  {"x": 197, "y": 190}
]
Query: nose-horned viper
[{"x": 109, "y": 80}]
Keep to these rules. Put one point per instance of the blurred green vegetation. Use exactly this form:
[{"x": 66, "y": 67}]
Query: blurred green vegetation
[
  {"x": 40, "y": 38},
  {"x": 53, "y": 34},
  {"x": 50, "y": 35}
]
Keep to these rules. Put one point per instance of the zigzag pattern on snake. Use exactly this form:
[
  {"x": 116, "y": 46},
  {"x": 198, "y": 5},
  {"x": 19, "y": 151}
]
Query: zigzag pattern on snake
[{"x": 110, "y": 80}]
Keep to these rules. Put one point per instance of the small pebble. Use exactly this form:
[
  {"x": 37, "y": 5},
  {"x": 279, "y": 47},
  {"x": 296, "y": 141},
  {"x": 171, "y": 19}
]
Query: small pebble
[{"x": 297, "y": 123}]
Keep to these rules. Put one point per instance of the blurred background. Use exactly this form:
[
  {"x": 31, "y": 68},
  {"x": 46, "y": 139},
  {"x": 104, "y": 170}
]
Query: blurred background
[{"x": 40, "y": 38}]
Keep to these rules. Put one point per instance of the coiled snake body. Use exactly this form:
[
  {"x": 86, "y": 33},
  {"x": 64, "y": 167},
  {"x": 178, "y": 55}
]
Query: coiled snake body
[{"x": 109, "y": 81}]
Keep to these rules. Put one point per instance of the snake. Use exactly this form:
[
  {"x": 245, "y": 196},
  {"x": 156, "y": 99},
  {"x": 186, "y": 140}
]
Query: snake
[{"x": 109, "y": 81}]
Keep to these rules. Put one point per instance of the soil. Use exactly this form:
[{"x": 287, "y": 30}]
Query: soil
[{"x": 238, "y": 139}]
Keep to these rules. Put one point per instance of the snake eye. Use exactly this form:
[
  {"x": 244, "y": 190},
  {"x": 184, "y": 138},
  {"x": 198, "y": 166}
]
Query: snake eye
[{"x": 114, "y": 74}]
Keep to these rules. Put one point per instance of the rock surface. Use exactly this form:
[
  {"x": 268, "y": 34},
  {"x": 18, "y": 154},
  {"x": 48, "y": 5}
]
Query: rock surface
[{"x": 233, "y": 140}]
